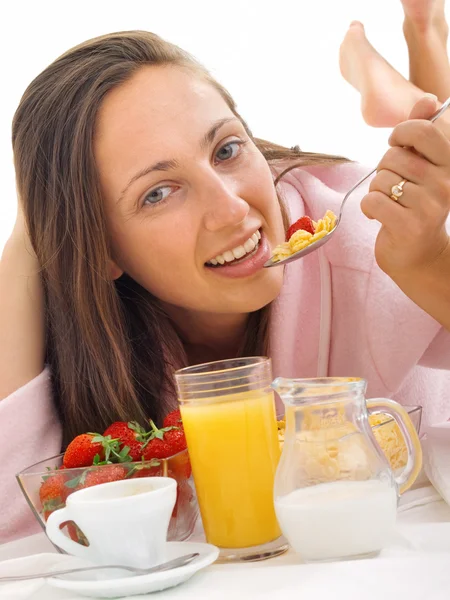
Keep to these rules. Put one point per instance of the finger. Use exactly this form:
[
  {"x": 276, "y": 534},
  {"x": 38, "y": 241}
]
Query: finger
[
  {"x": 376, "y": 205},
  {"x": 408, "y": 165},
  {"x": 425, "y": 138},
  {"x": 418, "y": 203},
  {"x": 385, "y": 180},
  {"x": 424, "y": 108}
]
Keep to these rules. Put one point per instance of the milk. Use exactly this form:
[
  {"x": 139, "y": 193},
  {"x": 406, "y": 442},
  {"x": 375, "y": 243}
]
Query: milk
[{"x": 339, "y": 519}]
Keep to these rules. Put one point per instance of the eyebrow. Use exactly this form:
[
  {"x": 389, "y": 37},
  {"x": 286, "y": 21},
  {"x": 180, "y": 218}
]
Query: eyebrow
[{"x": 166, "y": 165}]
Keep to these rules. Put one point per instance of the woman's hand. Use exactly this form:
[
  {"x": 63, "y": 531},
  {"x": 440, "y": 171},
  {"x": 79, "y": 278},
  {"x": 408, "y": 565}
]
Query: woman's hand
[
  {"x": 413, "y": 235},
  {"x": 20, "y": 229},
  {"x": 413, "y": 246},
  {"x": 22, "y": 322}
]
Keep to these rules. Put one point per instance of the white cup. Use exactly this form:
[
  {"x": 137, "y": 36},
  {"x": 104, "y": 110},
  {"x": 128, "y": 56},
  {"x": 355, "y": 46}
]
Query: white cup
[{"x": 125, "y": 522}]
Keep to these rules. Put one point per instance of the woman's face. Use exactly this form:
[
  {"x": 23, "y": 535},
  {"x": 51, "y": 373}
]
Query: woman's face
[{"x": 185, "y": 191}]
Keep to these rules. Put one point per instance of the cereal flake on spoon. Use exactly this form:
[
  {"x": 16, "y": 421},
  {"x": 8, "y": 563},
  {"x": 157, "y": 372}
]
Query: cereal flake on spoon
[{"x": 303, "y": 233}]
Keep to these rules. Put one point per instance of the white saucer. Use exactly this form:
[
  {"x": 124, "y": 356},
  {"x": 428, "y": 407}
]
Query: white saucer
[{"x": 141, "y": 584}]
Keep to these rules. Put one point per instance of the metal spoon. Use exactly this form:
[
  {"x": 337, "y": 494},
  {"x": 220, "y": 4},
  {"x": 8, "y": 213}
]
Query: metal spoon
[
  {"x": 315, "y": 245},
  {"x": 171, "y": 564}
]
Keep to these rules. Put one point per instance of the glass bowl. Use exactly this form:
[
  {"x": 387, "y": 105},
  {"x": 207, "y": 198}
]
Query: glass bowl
[
  {"x": 390, "y": 439},
  {"x": 185, "y": 512}
]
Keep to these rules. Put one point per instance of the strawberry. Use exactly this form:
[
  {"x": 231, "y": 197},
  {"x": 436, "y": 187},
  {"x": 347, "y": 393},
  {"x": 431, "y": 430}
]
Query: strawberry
[
  {"x": 75, "y": 532},
  {"x": 184, "y": 497},
  {"x": 82, "y": 450},
  {"x": 153, "y": 468},
  {"x": 180, "y": 466},
  {"x": 72, "y": 530},
  {"x": 105, "y": 474},
  {"x": 46, "y": 514},
  {"x": 130, "y": 435},
  {"x": 164, "y": 442},
  {"x": 53, "y": 492},
  {"x": 304, "y": 223},
  {"x": 173, "y": 419},
  {"x": 94, "y": 476},
  {"x": 90, "y": 449}
]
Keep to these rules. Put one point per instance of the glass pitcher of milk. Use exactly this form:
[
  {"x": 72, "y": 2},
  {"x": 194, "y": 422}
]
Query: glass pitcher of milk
[{"x": 335, "y": 494}]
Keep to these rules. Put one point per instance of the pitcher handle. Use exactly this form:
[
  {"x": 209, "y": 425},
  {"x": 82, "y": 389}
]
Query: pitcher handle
[{"x": 385, "y": 406}]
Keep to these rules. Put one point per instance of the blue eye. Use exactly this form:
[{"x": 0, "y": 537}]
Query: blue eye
[
  {"x": 228, "y": 151},
  {"x": 157, "y": 195}
]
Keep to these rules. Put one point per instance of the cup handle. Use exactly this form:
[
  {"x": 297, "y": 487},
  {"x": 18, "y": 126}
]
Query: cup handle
[
  {"x": 389, "y": 407},
  {"x": 54, "y": 533}
]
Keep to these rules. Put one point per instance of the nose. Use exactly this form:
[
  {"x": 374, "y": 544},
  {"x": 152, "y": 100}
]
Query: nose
[{"x": 223, "y": 206}]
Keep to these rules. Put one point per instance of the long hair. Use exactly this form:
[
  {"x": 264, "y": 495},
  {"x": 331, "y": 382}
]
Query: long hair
[{"x": 110, "y": 346}]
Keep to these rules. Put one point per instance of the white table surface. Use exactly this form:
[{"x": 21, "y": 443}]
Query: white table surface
[{"x": 416, "y": 567}]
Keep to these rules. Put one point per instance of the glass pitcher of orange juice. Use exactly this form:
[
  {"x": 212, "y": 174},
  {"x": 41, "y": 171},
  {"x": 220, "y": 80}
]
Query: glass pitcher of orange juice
[{"x": 228, "y": 414}]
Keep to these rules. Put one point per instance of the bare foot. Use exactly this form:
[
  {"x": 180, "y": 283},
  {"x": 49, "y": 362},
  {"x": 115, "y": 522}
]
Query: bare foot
[
  {"x": 426, "y": 33},
  {"x": 386, "y": 96},
  {"x": 424, "y": 14}
]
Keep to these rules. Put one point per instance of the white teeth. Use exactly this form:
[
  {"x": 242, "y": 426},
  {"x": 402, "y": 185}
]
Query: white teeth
[
  {"x": 228, "y": 255},
  {"x": 249, "y": 245},
  {"x": 238, "y": 252}
]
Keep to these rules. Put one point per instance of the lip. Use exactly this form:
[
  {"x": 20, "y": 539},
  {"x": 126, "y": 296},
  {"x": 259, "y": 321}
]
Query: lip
[
  {"x": 239, "y": 242},
  {"x": 249, "y": 266}
]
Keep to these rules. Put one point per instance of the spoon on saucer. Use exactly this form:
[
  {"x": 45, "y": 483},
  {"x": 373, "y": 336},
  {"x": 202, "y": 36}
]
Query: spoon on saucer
[
  {"x": 180, "y": 561},
  {"x": 315, "y": 245}
]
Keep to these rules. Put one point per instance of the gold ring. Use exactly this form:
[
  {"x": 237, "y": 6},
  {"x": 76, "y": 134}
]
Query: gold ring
[{"x": 397, "y": 190}]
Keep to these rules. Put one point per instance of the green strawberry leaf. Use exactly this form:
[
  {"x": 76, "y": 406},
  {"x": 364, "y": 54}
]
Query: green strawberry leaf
[
  {"x": 132, "y": 471},
  {"x": 73, "y": 483},
  {"x": 142, "y": 435},
  {"x": 144, "y": 465},
  {"x": 53, "y": 504},
  {"x": 134, "y": 426},
  {"x": 50, "y": 472},
  {"x": 124, "y": 454}
]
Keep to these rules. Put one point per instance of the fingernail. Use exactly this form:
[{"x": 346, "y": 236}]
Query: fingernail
[{"x": 432, "y": 96}]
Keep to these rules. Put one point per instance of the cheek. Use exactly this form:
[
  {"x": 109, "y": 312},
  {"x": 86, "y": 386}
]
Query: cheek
[
  {"x": 266, "y": 195},
  {"x": 153, "y": 254}
]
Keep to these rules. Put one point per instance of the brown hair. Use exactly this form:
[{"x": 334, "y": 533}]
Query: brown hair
[{"x": 110, "y": 346}]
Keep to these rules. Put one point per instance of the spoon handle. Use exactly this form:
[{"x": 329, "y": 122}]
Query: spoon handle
[
  {"x": 433, "y": 118},
  {"x": 352, "y": 190},
  {"x": 441, "y": 110},
  {"x": 171, "y": 564}
]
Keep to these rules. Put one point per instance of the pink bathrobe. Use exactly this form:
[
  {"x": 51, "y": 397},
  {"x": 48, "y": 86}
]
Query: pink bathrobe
[{"x": 337, "y": 314}]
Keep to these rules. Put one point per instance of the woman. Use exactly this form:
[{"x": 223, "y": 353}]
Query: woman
[{"x": 135, "y": 175}]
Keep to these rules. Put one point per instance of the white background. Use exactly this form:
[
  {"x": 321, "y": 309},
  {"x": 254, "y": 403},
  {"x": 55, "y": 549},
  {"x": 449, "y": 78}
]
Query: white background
[{"x": 278, "y": 58}]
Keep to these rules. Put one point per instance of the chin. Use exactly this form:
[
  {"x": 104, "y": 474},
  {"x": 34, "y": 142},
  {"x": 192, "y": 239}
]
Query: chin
[{"x": 262, "y": 293}]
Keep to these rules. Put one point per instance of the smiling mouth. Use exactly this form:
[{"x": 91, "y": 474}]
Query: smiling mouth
[{"x": 238, "y": 254}]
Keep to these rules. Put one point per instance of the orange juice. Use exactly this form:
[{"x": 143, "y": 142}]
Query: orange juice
[{"x": 234, "y": 451}]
